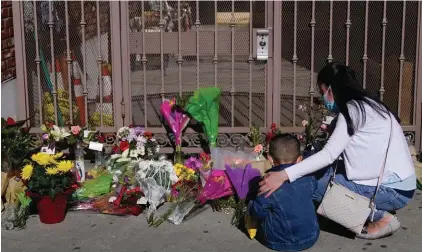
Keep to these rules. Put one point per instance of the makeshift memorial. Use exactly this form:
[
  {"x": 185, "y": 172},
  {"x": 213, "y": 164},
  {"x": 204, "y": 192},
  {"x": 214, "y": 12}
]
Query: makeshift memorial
[
  {"x": 241, "y": 179},
  {"x": 49, "y": 181},
  {"x": 204, "y": 106},
  {"x": 177, "y": 120}
]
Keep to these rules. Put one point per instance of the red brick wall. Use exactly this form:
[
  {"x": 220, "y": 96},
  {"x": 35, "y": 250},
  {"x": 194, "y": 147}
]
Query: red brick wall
[{"x": 8, "y": 65}]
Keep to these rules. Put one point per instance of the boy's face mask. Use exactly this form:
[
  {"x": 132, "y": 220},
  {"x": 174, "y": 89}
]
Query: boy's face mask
[{"x": 330, "y": 105}]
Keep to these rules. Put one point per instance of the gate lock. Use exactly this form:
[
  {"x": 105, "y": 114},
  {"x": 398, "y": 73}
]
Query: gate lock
[{"x": 262, "y": 44}]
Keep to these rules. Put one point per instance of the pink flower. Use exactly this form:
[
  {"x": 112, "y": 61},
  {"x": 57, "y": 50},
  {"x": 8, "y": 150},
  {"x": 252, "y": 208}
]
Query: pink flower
[
  {"x": 324, "y": 127},
  {"x": 304, "y": 123},
  {"x": 75, "y": 130},
  {"x": 300, "y": 137},
  {"x": 258, "y": 148}
]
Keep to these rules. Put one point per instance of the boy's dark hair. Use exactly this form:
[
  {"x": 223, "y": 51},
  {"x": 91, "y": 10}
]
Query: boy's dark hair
[{"x": 284, "y": 148}]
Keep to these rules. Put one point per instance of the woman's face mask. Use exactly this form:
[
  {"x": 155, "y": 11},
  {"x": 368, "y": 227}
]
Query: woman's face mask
[{"x": 330, "y": 105}]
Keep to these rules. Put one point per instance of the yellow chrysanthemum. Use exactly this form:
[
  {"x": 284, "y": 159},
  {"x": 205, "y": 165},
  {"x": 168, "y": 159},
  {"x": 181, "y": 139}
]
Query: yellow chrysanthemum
[
  {"x": 57, "y": 155},
  {"x": 64, "y": 166},
  {"x": 51, "y": 171},
  {"x": 27, "y": 172},
  {"x": 41, "y": 158}
]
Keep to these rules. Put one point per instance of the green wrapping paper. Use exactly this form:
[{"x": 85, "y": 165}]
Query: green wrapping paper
[
  {"x": 94, "y": 187},
  {"x": 204, "y": 106}
]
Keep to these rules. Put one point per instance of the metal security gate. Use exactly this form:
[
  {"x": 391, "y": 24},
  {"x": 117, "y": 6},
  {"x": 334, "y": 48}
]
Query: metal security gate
[{"x": 112, "y": 63}]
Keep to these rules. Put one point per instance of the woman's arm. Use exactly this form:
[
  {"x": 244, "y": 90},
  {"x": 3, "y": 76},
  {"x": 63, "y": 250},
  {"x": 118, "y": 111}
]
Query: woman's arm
[{"x": 332, "y": 149}]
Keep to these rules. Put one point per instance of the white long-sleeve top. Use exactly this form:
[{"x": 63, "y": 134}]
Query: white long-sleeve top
[{"x": 364, "y": 152}]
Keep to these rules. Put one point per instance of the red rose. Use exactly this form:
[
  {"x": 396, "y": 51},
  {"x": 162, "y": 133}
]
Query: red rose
[
  {"x": 124, "y": 145},
  {"x": 10, "y": 121},
  {"x": 273, "y": 127},
  {"x": 204, "y": 157},
  {"x": 101, "y": 139},
  {"x": 115, "y": 149},
  {"x": 148, "y": 134}
]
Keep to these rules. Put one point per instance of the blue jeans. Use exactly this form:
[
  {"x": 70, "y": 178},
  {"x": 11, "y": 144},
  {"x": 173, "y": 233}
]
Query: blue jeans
[{"x": 387, "y": 198}]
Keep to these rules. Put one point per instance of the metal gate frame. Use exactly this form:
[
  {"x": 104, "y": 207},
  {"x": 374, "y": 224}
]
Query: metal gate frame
[{"x": 119, "y": 29}]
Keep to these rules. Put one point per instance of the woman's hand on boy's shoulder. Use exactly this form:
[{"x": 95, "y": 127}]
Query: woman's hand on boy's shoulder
[{"x": 271, "y": 182}]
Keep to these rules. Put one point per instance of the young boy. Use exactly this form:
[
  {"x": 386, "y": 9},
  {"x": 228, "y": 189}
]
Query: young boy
[{"x": 288, "y": 221}]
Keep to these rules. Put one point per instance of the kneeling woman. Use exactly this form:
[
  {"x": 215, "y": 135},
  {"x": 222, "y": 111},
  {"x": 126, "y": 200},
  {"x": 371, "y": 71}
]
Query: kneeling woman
[{"x": 362, "y": 134}]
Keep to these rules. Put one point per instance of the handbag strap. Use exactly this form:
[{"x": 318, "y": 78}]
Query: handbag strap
[
  {"x": 380, "y": 177},
  {"x": 384, "y": 162}
]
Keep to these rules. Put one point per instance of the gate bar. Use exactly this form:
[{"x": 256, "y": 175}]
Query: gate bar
[
  {"x": 418, "y": 85},
  {"x": 402, "y": 58},
  {"x": 313, "y": 24},
  {"x": 69, "y": 63},
  {"x": 100, "y": 61},
  {"x": 348, "y": 24},
  {"x": 365, "y": 46},
  {"x": 330, "y": 42},
  {"x": 215, "y": 59},
  {"x": 38, "y": 62},
  {"x": 197, "y": 25},
  {"x": 84, "y": 82},
  {"x": 232, "y": 91},
  {"x": 161, "y": 25},
  {"x": 53, "y": 65},
  {"x": 179, "y": 42},
  {"x": 384, "y": 31},
  {"x": 277, "y": 46},
  {"x": 144, "y": 64},
  {"x": 294, "y": 60},
  {"x": 250, "y": 61}
]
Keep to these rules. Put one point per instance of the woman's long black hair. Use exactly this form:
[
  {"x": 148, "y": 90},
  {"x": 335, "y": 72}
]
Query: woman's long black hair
[{"x": 346, "y": 88}]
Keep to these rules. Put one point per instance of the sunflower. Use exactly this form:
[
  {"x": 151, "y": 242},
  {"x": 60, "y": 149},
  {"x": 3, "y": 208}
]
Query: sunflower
[
  {"x": 27, "y": 172},
  {"x": 41, "y": 158},
  {"x": 51, "y": 171},
  {"x": 64, "y": 166}
]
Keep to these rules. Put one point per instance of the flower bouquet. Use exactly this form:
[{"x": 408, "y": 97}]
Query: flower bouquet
[
  {"x": 49, "y": 180},
  {"x": 155, "y": 179},
  {"x": 177, "y": 120},
  {"x": 314, "y": 136},
  {"x": 52, "y": 136},
  {"x": 242, "y": 179},
  {"x": 204, "y": 106},
  {"x": 274, "y": 131}
]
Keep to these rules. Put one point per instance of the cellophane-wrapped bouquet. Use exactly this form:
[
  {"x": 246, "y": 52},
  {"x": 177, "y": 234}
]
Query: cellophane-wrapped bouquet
[{"x": 155, "y": 178}]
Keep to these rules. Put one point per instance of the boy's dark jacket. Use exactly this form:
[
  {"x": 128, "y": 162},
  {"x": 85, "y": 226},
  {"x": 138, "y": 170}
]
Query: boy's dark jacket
[{"x": 288, "y": 221}]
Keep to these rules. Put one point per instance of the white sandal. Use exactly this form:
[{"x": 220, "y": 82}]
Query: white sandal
[{"x": 388, "y": 230}]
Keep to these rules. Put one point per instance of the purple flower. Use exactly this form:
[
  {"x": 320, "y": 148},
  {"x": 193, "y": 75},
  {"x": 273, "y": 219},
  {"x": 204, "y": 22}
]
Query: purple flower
[
  {"x": 193, "y": 163},
  {"x": 138, "y": 130},
  {"x": 45, "y": 136},
  {"x": 131, "y": 135}
]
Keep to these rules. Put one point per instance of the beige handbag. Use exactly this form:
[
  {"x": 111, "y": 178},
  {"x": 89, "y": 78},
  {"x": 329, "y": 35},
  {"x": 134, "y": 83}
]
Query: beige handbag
[{"x": 346, "y": 207}]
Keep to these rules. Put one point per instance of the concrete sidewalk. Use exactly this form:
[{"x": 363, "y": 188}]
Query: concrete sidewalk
[{"x": 207, "y": 231}]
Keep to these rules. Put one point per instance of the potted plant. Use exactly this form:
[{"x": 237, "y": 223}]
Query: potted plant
[
  {"x": 16, "y": 144},
  {"x": 49, "y": 181}
]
